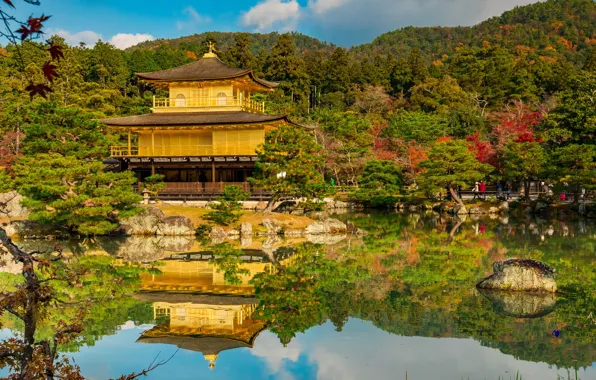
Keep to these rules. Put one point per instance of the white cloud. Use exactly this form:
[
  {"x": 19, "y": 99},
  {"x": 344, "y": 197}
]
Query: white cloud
[
  {"x": 87, "y": 36},
  {"x": 126, "y": 40},
  {"x": 120, "y": 40},
  {"x": 324, "y": 6},
  {"x": 268, "y": 347},
  {"x": 273, "y": 14},
  {"x": 194, "y": 19}
]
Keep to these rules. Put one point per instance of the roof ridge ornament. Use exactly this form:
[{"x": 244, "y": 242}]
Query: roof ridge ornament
[{"x": 211, "y": 53}]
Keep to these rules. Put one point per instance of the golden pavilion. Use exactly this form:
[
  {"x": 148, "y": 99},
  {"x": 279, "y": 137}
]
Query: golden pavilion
[
  {"x": 201, "y": 323},
  {"x": 204, "y": 135}
]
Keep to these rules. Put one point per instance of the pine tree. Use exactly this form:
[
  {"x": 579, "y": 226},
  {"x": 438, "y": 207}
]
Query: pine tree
[
  {"x": 450, "y": 165},
  {"x": 65, "y": 130},
  {"x": 284, "y": 66},
  {"x": 290, "y": 163},
  {"x": 523, "y": 162},
  {"x": 337, "y": 72},
  {"x": 401, "y": 77},
  {"x": 417, "y": 66},
  {"x": 74, "y": 196},
  {"x": 240, "y": 54}
]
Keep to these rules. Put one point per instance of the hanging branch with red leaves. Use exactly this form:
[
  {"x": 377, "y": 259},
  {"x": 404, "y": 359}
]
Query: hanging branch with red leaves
[{"x": 18, "y": 32}]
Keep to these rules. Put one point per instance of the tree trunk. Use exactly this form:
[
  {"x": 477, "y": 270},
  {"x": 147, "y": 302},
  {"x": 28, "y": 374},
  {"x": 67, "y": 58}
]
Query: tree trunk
[
  {"x": 526, "y": 190},
  {"x": 455, "y": 196},
  {"x": 271, "y": 203},
  {"x": 454, "y": 229},
  {"x": 462, "y": 207}
]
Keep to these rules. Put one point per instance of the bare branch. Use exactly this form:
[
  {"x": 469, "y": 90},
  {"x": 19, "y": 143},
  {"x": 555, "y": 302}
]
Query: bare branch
[{"x": 153, "y": 366}]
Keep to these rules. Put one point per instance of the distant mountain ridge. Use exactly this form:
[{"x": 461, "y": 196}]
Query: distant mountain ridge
[
  {"x": 224, "y": 40},
  {"x": 567, "y": 26}
]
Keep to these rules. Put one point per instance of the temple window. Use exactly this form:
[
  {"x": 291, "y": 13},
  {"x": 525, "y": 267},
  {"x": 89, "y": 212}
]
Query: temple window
[
  {"x": 222, "y": 99},
  {"x": 180, "y": 100}
]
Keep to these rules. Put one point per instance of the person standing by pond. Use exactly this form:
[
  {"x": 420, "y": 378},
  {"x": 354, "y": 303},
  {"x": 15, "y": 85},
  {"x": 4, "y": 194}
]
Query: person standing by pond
[
  {"x": 509, "y": 190},
  {"x": 475, "y": 191},
  {"x": 482, "y": 188},
  {"x": 499, "y": 190}
]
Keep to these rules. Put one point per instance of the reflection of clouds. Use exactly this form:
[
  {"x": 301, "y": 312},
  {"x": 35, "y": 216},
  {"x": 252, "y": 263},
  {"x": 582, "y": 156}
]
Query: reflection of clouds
[
  {"x": 362, "y": 351},
  {"x": 130, "y": 325},
  {"x": 268, "y": 347}
]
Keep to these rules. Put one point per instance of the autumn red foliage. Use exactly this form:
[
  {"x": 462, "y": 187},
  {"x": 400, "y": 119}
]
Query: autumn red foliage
[
  {"x": 9, "y": 148},
  {"x": 482, "y": 149},
  {"x": 516, "y": 125}
]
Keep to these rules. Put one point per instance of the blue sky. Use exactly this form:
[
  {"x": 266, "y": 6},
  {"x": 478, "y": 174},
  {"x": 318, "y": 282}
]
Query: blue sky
[{"x": 343, "y": 22}]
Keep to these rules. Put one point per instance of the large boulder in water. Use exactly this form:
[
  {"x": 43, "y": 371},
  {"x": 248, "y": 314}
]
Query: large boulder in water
[
  {"x": 176, "y": 226},
  {"x": 520, "y": 275},
  {"x": 521, "y": 304},
  {"x": 144, "y": 223},
  {"x": 327, "y": 226},
  {"x": 10, "y": 205}
]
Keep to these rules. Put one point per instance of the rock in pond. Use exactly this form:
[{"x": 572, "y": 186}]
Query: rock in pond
[
  {"x": 147, "y": 249},
  {"x": 10, "y": 205},
  {"x": 271, "y": 226},
  {"x": 328, "y": 226},
  {"x": 520, "y": 275},
  {"x": 521, "y": 304},
  {"x": 176, "y": 226},
  {"x": 246, "y": 230},
  {"x": 145, "y": 223}
]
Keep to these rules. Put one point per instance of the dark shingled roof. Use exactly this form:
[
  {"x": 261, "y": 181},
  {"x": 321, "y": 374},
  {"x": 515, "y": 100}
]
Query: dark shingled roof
[
  {"x": 206, "y": 68},
  {"x": 194, "y": 118},
  {"x": 205, "y": 345},
  {"x": 172, "y": 297}
]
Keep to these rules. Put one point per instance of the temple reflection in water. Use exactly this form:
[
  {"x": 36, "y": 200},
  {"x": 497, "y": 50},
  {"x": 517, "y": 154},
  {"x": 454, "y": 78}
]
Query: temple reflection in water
[{"x": 197, "y": 310}]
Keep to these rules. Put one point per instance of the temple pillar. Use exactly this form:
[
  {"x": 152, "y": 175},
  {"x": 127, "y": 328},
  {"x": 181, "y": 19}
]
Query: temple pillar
[
  {"x": 213, "y": 171},
  {"x": 152, "y": 142},
  {"x": 129, "y": 145}
]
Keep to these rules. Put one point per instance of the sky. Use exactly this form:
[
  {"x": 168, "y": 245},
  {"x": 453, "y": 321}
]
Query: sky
[{"x": 343, "y": 22}]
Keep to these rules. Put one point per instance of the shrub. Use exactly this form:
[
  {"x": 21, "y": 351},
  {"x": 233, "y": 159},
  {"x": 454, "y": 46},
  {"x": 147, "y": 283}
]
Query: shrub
[
  {"x": 154, "y": 184},
  {"x": 228, "y": 209}
]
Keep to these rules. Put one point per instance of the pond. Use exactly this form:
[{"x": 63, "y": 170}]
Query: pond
[{"x": 397, "y": 303}]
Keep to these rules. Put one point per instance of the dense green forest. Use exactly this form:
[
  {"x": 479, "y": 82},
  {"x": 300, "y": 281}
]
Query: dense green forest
[{"x": 507, "y": 91}]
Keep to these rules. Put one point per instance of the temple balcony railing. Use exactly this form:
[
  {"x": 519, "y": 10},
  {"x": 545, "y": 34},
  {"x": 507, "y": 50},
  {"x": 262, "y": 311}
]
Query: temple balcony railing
[
  {"x": 228, "y": 103},
  {"x": 181, "y": 151}
]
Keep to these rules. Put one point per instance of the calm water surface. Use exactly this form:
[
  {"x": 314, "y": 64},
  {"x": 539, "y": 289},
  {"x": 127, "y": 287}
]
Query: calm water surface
[{"x": 398, "y": 303}]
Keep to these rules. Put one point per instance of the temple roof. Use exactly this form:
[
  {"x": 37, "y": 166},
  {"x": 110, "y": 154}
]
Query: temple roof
[
  {"x": 194, "y": 118},
  {"x": 172, "y": 297},
  {"x": 206, "y": 68},
  {"x": 205, "y": 345}
]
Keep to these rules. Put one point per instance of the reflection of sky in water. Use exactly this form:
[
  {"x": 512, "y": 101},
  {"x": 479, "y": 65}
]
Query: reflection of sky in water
[{"x": 360, "y": 351}]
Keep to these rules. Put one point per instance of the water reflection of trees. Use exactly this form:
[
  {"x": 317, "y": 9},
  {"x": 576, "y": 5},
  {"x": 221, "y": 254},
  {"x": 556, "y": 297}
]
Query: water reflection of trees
[
  {"x": 84, "y": 297},
  {"x": 410, "y": 277}
]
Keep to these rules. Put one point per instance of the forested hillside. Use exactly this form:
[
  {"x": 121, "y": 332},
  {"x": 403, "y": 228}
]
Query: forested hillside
[{"x": 567, "y": 26}]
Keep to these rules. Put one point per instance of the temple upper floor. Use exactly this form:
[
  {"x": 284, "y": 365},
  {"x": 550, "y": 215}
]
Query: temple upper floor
[
  {"x": 207, "y": 97},
  {"x": 207, "y": 85}
]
